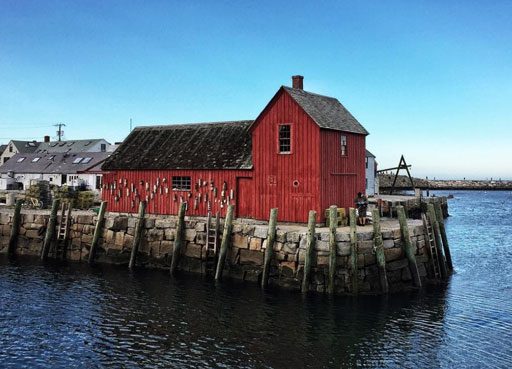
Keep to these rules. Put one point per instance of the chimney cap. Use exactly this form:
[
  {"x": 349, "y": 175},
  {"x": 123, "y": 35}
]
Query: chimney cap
[{"x": 298, "y": 82}]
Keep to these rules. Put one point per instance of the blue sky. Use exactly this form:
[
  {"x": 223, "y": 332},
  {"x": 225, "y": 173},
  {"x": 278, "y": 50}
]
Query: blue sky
[{"x": 429, "y": 79}]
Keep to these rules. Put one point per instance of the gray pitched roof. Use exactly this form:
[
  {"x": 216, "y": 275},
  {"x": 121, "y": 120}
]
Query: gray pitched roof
[
  {"x": 221, "y": 145},
  {"x": 2, "y": 148},
  {"x": 53, "y": 163},
  {"x": 25, "y": 146},
  {"x": 68, "y": 146},
  {"x": 369, "y": 154},
  {"x": 326, "y": 111}
]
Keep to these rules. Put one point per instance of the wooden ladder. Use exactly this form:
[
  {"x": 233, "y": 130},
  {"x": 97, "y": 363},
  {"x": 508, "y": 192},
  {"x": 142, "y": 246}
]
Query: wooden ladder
[
  {"x": 431, "y": 245},
  {"x": 63, "y": 231},
  {"x": 212, "y": 243}
]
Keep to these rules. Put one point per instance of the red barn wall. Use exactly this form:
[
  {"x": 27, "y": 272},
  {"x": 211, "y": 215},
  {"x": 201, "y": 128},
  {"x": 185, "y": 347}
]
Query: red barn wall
[
  {"x": 342, "y": 176},
  {"x": 162, "y": 199},
  {"x": 275, "y": 174}
]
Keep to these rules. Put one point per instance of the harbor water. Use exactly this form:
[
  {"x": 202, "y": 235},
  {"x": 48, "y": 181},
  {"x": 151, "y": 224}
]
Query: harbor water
[{"x": 70, "y": 315}]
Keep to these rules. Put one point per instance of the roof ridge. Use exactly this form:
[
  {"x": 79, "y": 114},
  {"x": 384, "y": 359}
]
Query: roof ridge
[
  {"x": 310, "y": 93},
  {"x": 186, "y": 125}
]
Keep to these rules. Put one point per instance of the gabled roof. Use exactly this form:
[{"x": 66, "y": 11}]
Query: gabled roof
[
  {"x": 326, "y": 111},
  {"x": 369, "y": 154},
  {"x": 68, "y": 146},
  {"x": 63, "y": 163},
  {"x": 25, "y": 146},
  {"x": 2, "y": 148},
  {"x": 221, "y": 145}
]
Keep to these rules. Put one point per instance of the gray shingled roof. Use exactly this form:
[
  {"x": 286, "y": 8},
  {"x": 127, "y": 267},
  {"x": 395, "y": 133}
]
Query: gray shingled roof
[
  {"x": 26, "y": 146},
  {"x": 326, "y": 111},
  {"x": 2, "y": 148},
  {"x": 68, "y": 146},
  {"x": 221, "y": 145},
  {"x": 53, "y": 163}
]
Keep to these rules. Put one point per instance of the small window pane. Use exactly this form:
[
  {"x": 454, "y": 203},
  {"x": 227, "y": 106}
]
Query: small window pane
[
  {"x": 77, "y": 160},
  {"x": 86, "y": 160},
  {"x": 343, "y": 145},
  {"x": 285, "y": 142},
  {"x": 20, "y": 160},
  {"x": 35, "y": 160}
]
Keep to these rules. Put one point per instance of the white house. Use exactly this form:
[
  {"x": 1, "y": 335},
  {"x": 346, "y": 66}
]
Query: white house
[
  {"x": 71, "y": 169},
  {"x": 14, "y": 147},
  {"x": 372, "y": 180}
]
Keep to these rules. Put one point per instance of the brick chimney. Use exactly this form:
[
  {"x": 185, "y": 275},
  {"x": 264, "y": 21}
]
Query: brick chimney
[
  {"x": 297, "y": 82},
  {"x": 46, "y": 139}
]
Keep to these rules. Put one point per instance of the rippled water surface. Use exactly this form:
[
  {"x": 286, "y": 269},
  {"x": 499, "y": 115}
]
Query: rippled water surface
[{"x": 70, "y": 315}]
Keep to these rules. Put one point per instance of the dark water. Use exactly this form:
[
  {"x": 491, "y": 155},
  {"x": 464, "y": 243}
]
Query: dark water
[{"x": 69, "y": 315}]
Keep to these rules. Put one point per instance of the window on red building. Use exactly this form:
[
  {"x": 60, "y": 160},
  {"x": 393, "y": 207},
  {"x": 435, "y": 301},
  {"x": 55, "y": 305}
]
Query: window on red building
[
  {"x": 343, "y": 145},
  {"x": 285, "y": 138}
]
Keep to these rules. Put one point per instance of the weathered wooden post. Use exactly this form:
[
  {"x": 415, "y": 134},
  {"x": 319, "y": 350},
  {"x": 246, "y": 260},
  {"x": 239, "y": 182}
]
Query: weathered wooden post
[
  {"x": 50, "y": 230},
  {"x": 431, "y": 214},
  {"x": 333, "y": 223},
  {"x": 310, "y": 245},
  {"x": 270, "y": 247},
  {"x": 407, "y": 245},
  {"x": 179, "y": 239},
  {"x": 15, "y": 229},
  {"x": 226, "y": 238},
  {"x": 444, "y": 238},
  {"x": 139, "y": 230},
  {"x": 353, "y": 249},
  {"x": 97, "y": 231},
  {"x": 379, "y": 251}
]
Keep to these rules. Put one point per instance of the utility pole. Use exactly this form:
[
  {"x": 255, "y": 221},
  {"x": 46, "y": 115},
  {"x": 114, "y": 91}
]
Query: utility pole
[{"x": 60, "y": 132}]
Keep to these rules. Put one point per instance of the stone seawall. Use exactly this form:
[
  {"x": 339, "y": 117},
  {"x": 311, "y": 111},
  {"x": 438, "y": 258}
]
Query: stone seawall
[{"x": 246, "y": 251}]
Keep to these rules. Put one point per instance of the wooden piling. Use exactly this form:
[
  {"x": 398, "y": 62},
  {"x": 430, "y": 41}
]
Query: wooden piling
[
  {"x": 226, "y": 238},
  {"x": 179, "y": 239},
  {"x": 444, "y": 238},
  {"x": 333, "y": 222},
  {"x": 353, "y": 250},
  {"x": 431, "y": 214},
  {"x": 310, "y": 245},
  {"x": 407, "y": 246},
  {"x": 379, "y": 251},
  {"x": 139, "y": 230},
  {"x": 97, "y": 231},
  {"x": 15, "y": 228},
  {"x": 270, "y": 247},
  {"x": 50, "y": 230}
]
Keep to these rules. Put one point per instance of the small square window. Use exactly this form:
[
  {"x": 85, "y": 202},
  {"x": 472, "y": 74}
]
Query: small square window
[{"x": 181, "y": 183}]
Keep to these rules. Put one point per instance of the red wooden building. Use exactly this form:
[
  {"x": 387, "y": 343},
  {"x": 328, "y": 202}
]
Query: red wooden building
[{"x": 303, "y": 152}]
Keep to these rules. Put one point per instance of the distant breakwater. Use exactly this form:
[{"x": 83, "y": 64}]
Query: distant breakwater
[
  {"x": 470, "y": 185},
  {"x": 363, "y": 262}
]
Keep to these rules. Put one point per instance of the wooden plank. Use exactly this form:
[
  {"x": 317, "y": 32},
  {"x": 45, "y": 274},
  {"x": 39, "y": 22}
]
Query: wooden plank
[
  {"x": 333, "y": 222},
  {"x": 15, "y": 228},
  {"x": 97, "y": 231},
  {"x": 139, "y": 229},
  {"x": 269, "y": 251},
  {"x": 50, "y": 230},
  {"x": 310, "y": 245},
  {"x": 179, "y": 239},
  {"x": 353, "y": 250},
  {"x": 407, "y": 245},
  {"x": 226, "y": 238},
  {"x": 379, "y": 251}
]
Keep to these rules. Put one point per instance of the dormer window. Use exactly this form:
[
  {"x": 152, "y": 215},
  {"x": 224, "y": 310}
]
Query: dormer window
[
  {"x": 285, "y": 138},
  {"x": 77, "y": 160},
  {"x": 20, "y": 160},
  {"x": 35, "y": 160},
  {"x": 343, "y": 145}
]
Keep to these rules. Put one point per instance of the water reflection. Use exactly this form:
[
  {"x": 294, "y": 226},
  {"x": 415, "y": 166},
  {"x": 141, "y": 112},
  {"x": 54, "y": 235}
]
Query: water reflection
[{"x": 71, "y": 315}]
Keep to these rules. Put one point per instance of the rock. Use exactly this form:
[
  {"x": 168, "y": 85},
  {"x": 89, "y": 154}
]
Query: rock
[
  {"x": 342, "y": 237},
  {"x": 240, "y": 241},
  {"x": 190, "y": 234},
  {"x": 343, "y": 248},
  {"x": 155, "y": 234},
  {"x": 290, "y": 247},
  {"x": 32, "y": 233},
  {"x": 165, "y": 223},
  {"x": 248, "y": 229},
  {"x": 166, "y": 248},
  {"x": 280, "y": 235},
  {"x": 255, "y": 244},
  {"x": 169, "y": 234},
  {"x": 261, "y": 231},
  {"x": 120, "y": 223},
  {"x": 388, "y": 244},
  {"x": 292, "y": 237},
  {"x": 119, "y": 240},
  {"x": 128, "y": 241},
  {"x": 109, "y": 237},
  {"x": 365, "y": 247},
  {"x": 193, "y": 250},
  {"x": 251, "y": 257},
  {"x": 85, "y": 219},
  {"x": 393, "y": 254},
  {"x": 397, "y": 264},
  {"x": 132, "y": 221},
  {"x": 364, "y": 236},
  {"x": 200, "y": 227},
  {"x": 322, "y": 245},
  {"x": 149, "y": 223}
]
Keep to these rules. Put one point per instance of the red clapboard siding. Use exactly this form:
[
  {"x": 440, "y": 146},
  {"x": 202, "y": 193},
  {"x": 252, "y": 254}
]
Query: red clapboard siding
[
  {"x": 289, "y": 182},
  {"x": 342, "y": 176},
  {"x": 162, "y": 199}
]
